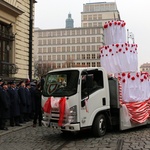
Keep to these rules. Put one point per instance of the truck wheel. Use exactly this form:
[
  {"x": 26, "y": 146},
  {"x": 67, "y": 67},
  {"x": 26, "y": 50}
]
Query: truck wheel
[{"x": 99, "y": 126}]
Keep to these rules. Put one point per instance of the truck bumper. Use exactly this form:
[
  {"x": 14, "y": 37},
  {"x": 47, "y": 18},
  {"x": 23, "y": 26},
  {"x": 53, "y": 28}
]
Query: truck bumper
[{"x": 71, "y": 127}]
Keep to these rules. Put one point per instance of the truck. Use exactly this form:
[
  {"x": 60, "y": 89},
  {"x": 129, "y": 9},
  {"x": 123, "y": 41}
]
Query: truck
[{"x": 92, "y": 101}]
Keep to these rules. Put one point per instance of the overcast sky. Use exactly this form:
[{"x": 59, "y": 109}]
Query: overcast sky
[{"x": 51, "y": 14}]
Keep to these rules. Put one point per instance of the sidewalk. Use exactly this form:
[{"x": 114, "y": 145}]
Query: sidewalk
[{"x": 15, "y": 128}]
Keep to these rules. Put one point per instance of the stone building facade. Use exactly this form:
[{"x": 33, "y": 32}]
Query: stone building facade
[{"x": 15, "y": 23}]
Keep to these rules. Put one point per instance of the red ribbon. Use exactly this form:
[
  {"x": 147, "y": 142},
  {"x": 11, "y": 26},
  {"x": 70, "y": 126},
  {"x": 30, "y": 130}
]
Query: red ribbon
[{"x": 62, "y": 107}]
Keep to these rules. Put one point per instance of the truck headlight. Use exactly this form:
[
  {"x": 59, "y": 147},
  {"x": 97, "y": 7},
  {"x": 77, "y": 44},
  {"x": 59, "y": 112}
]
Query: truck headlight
[{"x": 72, "y": 117}]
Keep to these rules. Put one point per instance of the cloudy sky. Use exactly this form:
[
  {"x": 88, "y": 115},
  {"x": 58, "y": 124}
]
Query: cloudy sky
[{"x": 51, "y": 14}]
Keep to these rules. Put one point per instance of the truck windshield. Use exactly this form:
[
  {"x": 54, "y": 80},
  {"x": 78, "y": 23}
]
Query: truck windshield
[{"x": 61, "y": 83}]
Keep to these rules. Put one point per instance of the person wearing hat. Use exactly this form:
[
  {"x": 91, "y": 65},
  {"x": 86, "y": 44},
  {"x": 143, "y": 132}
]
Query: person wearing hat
[
  {"x": 4, "y": 106},
  {"x": 15, "y": 105},
  {"x": 23, "y": 106}
]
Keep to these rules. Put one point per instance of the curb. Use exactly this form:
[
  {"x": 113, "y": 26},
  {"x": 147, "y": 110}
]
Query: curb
[{"x": 15, "y": 128}]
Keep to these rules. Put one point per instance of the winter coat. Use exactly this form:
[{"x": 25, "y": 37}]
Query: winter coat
[
  {"x": 23, "y": 103},
  {"x": 15, "y": 102},
  {"x": 4, "y": 104}
]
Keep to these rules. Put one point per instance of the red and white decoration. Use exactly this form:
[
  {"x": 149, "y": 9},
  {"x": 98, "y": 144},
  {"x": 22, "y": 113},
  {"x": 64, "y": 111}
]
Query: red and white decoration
[
  {"x": 135, "y": 86},
  {"x": 118, "y": 58},
  {"x": 114, "y": 32},
  {"x": 57, "y": 103}
]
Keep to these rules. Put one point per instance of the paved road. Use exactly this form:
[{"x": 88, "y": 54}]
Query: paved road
[{"x": 41, "y": 138}]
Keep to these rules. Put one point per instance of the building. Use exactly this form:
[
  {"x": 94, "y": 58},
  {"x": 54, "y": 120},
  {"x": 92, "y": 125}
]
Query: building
[
  {"x": 16, "y": 38},
  {"x": 96, "y": 14},
  {"x": 145, "y": 67},
  {"x": 68, "y": 47}
]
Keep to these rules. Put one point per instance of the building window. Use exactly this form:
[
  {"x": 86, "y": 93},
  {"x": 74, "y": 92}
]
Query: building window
[
  {"x": 98, "y": 64},
  {"x": 93, "y": 64},
  {"x": 99, "y": 16},
  {"x": 6, "y": 41},
  {"x": 44, "y": 34},
  {"x": 68, "y": 49},
  {"x": 54, "y": 57},
  {"x": 88, "y": 39},
  {"x": 83, "y": 40},
  {"x": 93, "y": 48},
  {"x": 94, "y": 17},
  {"x": 54, "y": 41},
  {"x": 83, "y": 32},
  {"x": 68, "y": 32},
  {"x": 44, "y": 58},
  {"x": 39, "y": 34},
  {"x": 73, "y": 48},
  {"x": 39, "y": 42},
  {"x": 54, "y": 33},
  {"x": 84, "y": 24},
  {"x": 63, "y": 41},
  {"x": 78, "y": 40},
  {"x": 44, "y": 42},
  {"x": 88, "y": 56},
  {"x": 88, "y": 48},
  {"x": 58, "y": 57},
  {"x": 49, "y": 49},
  {"x": 63, "y": 57},
  {"x": 84, "y": 17},
  {"x": 83, "y": 48},
  {"x": 39, "y": 50},
  {"x": 54, "y": 49},
  {"x": 95, "y": 24},
  {"x": 98, "y": 39},
  {"x": 58, "y": 65},
  {"x": 73, "y": 32},
  {"x": 44, "y": 50},
  {"x": 58, "y": 41},
  {"x": 68, "y": 40},
  {"x": 89, "y": 24},
  {"x": 49, "y": 41},
  {"x": 88, "y": 64},
  {"x": 93, "y": 56},
  {"x": 40, "y": 58},
  {"x": 93, "y": 39},
  {"x": 73, "y": 40},
  {"x": 58, "y": 33},
  {"x": 78, "y": 48},
  {"x": 78, "y": 56},
  {"x": 78, "y": 32},
  {"x": 63, "y": 49},
  {"x": 83, "y": 56},
  {"x": 58, "y": 49},
  {"x": 49, "y": 57},
  {"x": 90, "y": 17}
]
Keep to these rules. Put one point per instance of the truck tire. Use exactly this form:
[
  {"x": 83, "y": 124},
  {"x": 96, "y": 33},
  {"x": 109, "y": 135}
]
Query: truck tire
[{"x": 99, "y": 126}]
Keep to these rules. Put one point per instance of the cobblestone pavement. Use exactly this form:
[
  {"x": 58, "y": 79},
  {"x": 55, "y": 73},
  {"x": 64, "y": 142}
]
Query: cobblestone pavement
[{"x": 41, "y": 138}]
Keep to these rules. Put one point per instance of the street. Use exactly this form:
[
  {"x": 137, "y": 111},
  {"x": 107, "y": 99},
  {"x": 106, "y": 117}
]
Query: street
[{"x": 41, "y": 138}]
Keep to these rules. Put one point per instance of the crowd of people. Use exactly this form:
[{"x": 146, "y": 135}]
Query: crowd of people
[{"x": 20, "y": 103}]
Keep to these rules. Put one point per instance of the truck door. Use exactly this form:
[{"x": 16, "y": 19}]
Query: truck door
[{"x": 91, "y": 94}]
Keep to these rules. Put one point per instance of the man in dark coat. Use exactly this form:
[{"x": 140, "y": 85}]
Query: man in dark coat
[
  {"x": 28, "y": 101},
  {"x": 4, "y": 106},
  {"x": 32, "y": 91},
  {"x": 15, "y": 104},
  {"x": 23, "y": 104},
  {"x": 38, "y": 110}
]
